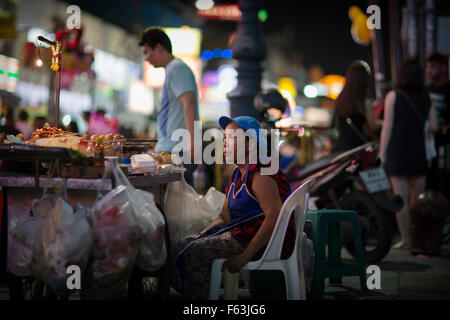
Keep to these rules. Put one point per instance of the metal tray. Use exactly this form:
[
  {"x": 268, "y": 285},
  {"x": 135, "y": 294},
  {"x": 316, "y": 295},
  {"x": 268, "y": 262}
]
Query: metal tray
[{"x": 23, "y": 152}]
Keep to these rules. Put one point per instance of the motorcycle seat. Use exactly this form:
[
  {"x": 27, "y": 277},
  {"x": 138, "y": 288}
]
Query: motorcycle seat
[{"x": 315, "y": 166}]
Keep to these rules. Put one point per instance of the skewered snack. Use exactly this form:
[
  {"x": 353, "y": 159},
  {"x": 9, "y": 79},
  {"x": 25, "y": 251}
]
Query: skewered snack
[
  {"x": 106, "y": 137},
  {"x": 47, "y": 132},
  {"x": 162, "y": 158}
]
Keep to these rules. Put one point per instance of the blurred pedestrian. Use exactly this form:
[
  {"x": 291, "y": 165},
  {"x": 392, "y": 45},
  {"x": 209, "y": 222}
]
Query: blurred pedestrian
[
  {"x": 354, "y": 118},
  {"x": 179, "y": 106},
  {"x": 39, "y": 122},
  {"x": 438, "y": 177},
  {"x": 9, "y": 127},
  {"x": 85, "y": 122},
  {"x": 72, "y": 127},
  {"x": 402, "y": 145},
  {"x": 100, "y": 125},
  {"x": 23, "y": 126}
]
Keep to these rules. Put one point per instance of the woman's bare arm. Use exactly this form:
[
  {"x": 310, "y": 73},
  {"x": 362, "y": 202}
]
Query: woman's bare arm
[
  {"x": 223, "y": 218},
  {"x": 370, "y": 117},
  {"x": 266, "y": 192},
  {"x": 432, "y": 118},
  {"x": 388, "y": 123}
]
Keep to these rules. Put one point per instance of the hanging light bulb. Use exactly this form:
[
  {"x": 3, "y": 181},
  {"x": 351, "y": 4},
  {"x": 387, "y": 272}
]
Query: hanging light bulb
[{"x": 39, "y": 62}]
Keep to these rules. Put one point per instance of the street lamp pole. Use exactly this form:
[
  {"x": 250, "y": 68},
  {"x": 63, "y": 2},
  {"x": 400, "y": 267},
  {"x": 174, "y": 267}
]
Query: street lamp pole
[{"x": 249, "y": 50}]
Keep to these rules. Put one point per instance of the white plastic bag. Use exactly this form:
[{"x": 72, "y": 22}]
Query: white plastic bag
[
  {"x": 187, "y": 213},
  {"x": 152, "y": 252},
  {"x": 215, "y": 199},
  {"x": 116, "y": 239},
  {"x": 23, "y": 232},
  {"x": 128, "y": 229},
  {"x": 66, "y": 240}
]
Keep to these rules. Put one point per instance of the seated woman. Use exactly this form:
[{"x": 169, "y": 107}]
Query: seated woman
[{"x": 244, "y": 227}]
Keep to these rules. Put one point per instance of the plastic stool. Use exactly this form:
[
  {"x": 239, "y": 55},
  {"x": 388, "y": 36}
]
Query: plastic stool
[{"x": 334, "y": 269}]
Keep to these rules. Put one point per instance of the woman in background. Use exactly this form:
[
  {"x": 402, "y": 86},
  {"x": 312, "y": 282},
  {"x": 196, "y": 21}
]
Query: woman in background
[
  {"x": 353, "y": 112},
  {"x": 402, "y": 145}
]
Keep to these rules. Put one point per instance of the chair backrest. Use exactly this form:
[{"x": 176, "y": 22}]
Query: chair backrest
[{"x": 297, "y": 202}]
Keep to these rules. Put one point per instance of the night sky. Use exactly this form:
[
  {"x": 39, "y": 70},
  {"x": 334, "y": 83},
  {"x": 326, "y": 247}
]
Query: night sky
[
  {"x": 322, "y": 31},
  {"x": 321, "y": 27}
]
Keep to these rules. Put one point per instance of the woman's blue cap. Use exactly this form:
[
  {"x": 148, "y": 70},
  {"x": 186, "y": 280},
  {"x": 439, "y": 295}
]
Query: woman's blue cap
[{"x": 245, "y": 122}]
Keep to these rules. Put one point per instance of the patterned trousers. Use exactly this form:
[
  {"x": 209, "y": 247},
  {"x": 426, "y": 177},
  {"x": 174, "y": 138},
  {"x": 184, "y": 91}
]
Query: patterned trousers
[{"x": 197, "y": 262}]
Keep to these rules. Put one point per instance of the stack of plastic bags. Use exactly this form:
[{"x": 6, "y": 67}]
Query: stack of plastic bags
[
  {"x": 128, "y": 229},
  {"x": 66, "y": 240},
  {"x": 116, "y": 239},
  {"x": 124, "y": 228},
  {"x": 45, "y": 240}
]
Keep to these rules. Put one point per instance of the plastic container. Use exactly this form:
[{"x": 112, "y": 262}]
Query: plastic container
[
  {"x": 143, "y": 162},
  {"x": 125, "y": 164}
]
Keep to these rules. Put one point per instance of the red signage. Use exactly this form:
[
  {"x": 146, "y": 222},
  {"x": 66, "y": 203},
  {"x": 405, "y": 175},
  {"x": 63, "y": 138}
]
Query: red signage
[{"x": 222, "y": 12}]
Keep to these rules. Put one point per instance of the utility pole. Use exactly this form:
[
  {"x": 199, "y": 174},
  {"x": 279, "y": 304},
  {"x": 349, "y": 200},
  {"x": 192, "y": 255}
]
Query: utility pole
[{"x": 249, "y": 50}]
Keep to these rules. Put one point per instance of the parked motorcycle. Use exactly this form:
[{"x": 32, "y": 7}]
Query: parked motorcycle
[{"x": 352, "y": 180}]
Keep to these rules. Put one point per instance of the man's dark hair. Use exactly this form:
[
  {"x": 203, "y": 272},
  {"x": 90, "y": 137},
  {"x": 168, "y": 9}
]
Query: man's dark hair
[
  {"x": 40, "y": 118},
  {"x": 86, "y": 115},
  {"x": 438, "y": 58},
  {"x": 410, "y": 75},
  {"x": 23, "y": 115},
  {"x": 154, "y": 35}
]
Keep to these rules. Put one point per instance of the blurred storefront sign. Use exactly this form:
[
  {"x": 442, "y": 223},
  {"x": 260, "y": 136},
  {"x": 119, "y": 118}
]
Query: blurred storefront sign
[
  {"x": 113, "y": 70},
  {"x": 9, "y": 73},
  {"x": 185, "y": 41},
  {"x": 34, "y": 95},
  {"x": 222, "y": 12},
  {"x": 141, "y": 98}
]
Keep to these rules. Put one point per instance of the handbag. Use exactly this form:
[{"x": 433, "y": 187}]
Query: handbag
[{"x": 430, "y": 148}]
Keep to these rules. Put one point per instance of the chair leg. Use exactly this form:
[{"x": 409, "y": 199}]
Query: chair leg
[
  {"x": 293, "y": 285},
  {"x": 318, "y": 284},
  {"x": 301, "y": 278},
  {"x": 216, "y": 277},
  {"x": 334, "y": 249},
  {"x": 230, "y": 285}
]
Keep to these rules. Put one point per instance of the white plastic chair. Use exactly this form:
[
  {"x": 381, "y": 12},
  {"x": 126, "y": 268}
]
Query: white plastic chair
[{"x": 270, "y": 260}]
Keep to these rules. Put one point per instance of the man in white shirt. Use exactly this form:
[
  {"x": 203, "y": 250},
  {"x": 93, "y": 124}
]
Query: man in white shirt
[{"x": 179, "y": 106}]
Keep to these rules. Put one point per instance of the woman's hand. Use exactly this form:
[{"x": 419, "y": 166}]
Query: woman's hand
[
  {"x": 196, "y": 236},
  {"x": 235, "y": 263}
]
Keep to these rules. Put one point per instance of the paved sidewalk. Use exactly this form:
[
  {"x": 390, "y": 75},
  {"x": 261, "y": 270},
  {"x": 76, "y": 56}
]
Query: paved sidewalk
[{"x": 403, "y": 277}]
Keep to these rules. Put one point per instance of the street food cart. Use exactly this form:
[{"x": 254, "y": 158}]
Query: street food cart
[{"x": 29, "y": 169}]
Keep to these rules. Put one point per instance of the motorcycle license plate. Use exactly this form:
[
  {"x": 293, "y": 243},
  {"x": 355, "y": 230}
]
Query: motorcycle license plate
[{"x": 375, "y": 180}]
